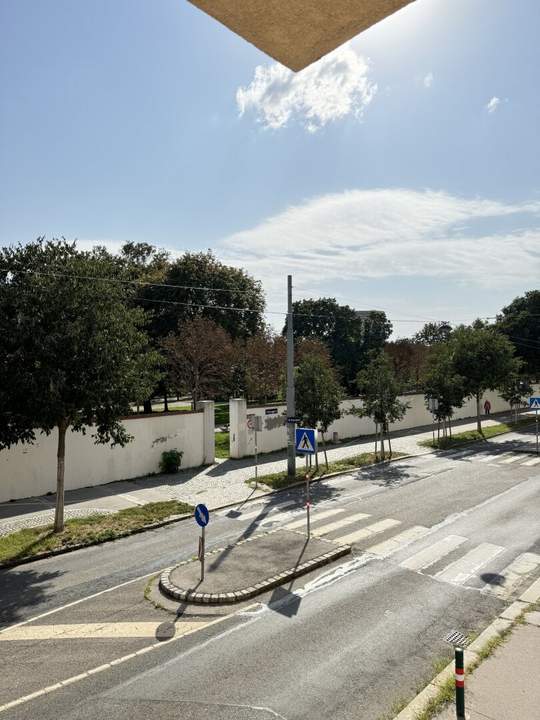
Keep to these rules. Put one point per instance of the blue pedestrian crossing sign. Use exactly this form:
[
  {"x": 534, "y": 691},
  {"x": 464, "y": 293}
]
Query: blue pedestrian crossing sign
[
  {"x": 202, "y": 515},
  {"x": 306, "y": 441},
  {"x": 534, "y": 403}
]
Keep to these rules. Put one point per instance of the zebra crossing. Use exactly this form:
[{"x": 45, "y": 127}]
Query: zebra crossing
[
  {"x": 452, "y": 559},
  {"x": 517, "y": 459}
]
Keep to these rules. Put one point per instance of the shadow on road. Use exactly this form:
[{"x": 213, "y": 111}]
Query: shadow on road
[{"x": 22, "y": 590}]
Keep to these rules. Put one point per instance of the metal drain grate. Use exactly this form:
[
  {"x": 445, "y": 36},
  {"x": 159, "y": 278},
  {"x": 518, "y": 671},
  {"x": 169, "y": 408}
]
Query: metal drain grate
[{"x": 456, "y": 639}]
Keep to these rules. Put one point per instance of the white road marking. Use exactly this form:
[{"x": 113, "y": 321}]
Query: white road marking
[
  {"x": 432, "y": 554},
  {"x": 462, "y": 569},
  {"x": 513, "y": 573},
  {"x": 488, "y": 458},
  {"x": 511, "y": 459},
  {"x": 90, "y": 631},
  {"x": 389, "y": 547},
  {"x": 314, "y": 518},
  {"x": 532, "y": 462},
  {"x": 265, "y": 511},
  {"x": 368, "y": 531},
  {"x": 338, "y": 524},
  {"x": 112, "y": 664},
  {"x": 77, "y": 602}
]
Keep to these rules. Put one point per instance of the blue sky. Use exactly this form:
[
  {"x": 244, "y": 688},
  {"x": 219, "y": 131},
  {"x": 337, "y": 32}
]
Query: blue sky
[{"x": 401, "y": 172}]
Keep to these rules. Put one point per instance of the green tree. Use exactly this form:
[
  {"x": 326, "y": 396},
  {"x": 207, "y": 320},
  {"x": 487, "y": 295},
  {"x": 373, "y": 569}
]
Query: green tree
[
  {"x": 443, "y": 384},
  {"x": 73, "y": 352},
  {"x": 520, "y": 322},
  {"x": 516, "y": 389},
  {"x": 199, "y": 285},
  {"x": 484, "y": 358},
  {"x": 318, "y": 394},
  {"x": 349, "y": 335},
  {"x": 434, "y": 333},
  {"x": 409, "y": 360},
  {"x": 379, "y": 389}
]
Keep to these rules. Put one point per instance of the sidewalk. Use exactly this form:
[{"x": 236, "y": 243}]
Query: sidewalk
[
  {"x": 217, "y": 485},
  {"x": 506, "y": 686}
]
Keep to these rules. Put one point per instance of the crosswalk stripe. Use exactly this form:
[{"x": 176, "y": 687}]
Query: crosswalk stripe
[
  {"x": 532, "y": 462},
  {"x": 511, "y": 459},
  {"x": 462, "y": 569},
  {"x": 433, "y": 553},
  {"x": 368, "y": 531},
  {"x": 314, "y": 518},
  {"x": 388, "y": 547},
  {"x": 265, "y": 510},
  {"x": 488, "y": 458},
  {"x": 337, "y": 524},
  {"x": 95, "y": 631},
  {"x": 458, "y": 454},
  {"x": 513, "y": 573}
]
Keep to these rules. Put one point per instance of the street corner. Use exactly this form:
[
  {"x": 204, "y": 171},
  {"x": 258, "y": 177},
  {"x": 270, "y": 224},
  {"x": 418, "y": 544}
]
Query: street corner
[{"x": 244, "y": 570}]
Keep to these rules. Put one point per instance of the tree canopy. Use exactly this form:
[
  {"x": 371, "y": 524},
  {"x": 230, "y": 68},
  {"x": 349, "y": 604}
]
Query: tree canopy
[
  {"x": 73, "y": 352},
  {"x": 349, "y": 335},
  {"x": 520, "y": 322},
  {"x": 484, "y": 358}
]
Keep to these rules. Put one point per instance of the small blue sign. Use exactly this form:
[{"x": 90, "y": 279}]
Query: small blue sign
[
  {"x": 534, "y": 403},
  {"x": 202, "y": 515},
  {"x": 306, "y": 441}
]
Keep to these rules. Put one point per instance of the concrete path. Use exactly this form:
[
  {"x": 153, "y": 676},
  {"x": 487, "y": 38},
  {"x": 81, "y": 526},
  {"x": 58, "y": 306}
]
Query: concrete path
[
  {"x": 216, "y": 485},
  {"x": 506, "y": 684}
]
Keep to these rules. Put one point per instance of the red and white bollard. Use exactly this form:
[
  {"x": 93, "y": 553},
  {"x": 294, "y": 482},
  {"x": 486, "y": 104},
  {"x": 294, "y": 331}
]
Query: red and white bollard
[{"x": 460, "y": 684}]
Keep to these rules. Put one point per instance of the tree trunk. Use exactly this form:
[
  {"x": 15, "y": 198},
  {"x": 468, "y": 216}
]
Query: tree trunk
[
  {"x": 147, "y": 406},
  {"x": 60, "y": 463},
  {"x": 450, "y": 425},
  {"x": 389, "y": 442},
  {"x": 376, "y": 438},
  {"x": 478, "y": 416},
  {"x": 165, "y": 402},
  {"x": 324, "y": 450},
  {"x": 382, "y": 442}
]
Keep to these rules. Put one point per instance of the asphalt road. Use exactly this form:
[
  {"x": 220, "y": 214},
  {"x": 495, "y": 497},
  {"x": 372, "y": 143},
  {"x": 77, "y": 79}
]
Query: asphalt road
[{"x": 439, "y": 543}]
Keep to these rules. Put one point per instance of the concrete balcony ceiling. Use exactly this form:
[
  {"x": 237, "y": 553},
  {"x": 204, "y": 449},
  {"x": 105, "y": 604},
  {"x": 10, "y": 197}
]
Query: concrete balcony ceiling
[{"x": 298, "y": 32}]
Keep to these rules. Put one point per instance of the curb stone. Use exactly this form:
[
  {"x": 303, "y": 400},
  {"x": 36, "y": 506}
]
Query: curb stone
[
  {"x": 506, "y": 620},
  {"x": 176, "y": 593}
]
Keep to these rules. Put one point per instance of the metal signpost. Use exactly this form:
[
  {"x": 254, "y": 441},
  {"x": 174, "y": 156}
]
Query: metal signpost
[
  {"x": 254, "y": 423},
  {"x": 202, "y": 516},
  {"x": 534, "y": 404},
  {"x": 306, "y": 443}
]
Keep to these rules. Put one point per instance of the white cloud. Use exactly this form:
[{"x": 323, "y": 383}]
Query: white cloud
[
  {"x": 332, "y": 88},
  {"x": 391, "y": 233},
  {"x": 493, "y": 104},
  {"x": 428, "y": 80}
]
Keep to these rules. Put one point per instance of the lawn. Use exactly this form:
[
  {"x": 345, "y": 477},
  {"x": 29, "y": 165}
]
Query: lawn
[
  {"x": 87, "y": 531},
  {"x": 222, "y": 445},
  {"x": 469, "y": 435},
  {"x": 280, "y": 480}
]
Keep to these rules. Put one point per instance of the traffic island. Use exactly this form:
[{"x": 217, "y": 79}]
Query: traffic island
[{"x": 248, "y": 568}]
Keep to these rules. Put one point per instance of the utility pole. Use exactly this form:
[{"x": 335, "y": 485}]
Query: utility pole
[{"x": 291, "y": 452}]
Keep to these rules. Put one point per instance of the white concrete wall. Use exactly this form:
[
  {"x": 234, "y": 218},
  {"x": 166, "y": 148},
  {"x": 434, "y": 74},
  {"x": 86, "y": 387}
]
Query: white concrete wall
[
  {"x": 274, "y": 435},
  {"x": 27, "y": 470}
]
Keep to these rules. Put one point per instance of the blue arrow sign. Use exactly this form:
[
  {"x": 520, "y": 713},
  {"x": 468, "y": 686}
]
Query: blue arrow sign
[
  {"x": 534, "y": 403},
  {"x": 306, "y": 441},
  {"x": 202, "y": 515}
]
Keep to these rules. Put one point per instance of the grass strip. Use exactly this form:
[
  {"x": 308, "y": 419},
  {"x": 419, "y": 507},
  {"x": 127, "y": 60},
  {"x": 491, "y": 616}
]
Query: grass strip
[
  {"x": 222, "y": 444},
  {"x": 86, "y": 531},
  {"x": 279, "y": 480},
  {"x": 469, "y": 435}
]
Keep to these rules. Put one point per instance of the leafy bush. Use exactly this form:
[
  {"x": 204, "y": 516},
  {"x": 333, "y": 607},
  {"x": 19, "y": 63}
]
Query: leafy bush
[{"x": 170, "y": 461}]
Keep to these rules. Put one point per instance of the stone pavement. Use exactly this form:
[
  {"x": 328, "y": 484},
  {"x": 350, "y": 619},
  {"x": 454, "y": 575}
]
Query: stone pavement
[
  {"x": 506, "y": 686},
  {"x": 215, "y": 485}
]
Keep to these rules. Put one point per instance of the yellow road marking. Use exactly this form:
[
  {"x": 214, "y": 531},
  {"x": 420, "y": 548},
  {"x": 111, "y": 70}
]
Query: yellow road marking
[{"x": 88, "y": 631}]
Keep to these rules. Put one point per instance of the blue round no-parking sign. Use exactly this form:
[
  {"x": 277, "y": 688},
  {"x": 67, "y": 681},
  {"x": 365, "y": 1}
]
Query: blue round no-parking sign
[{"x": 202, "y": 515}]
